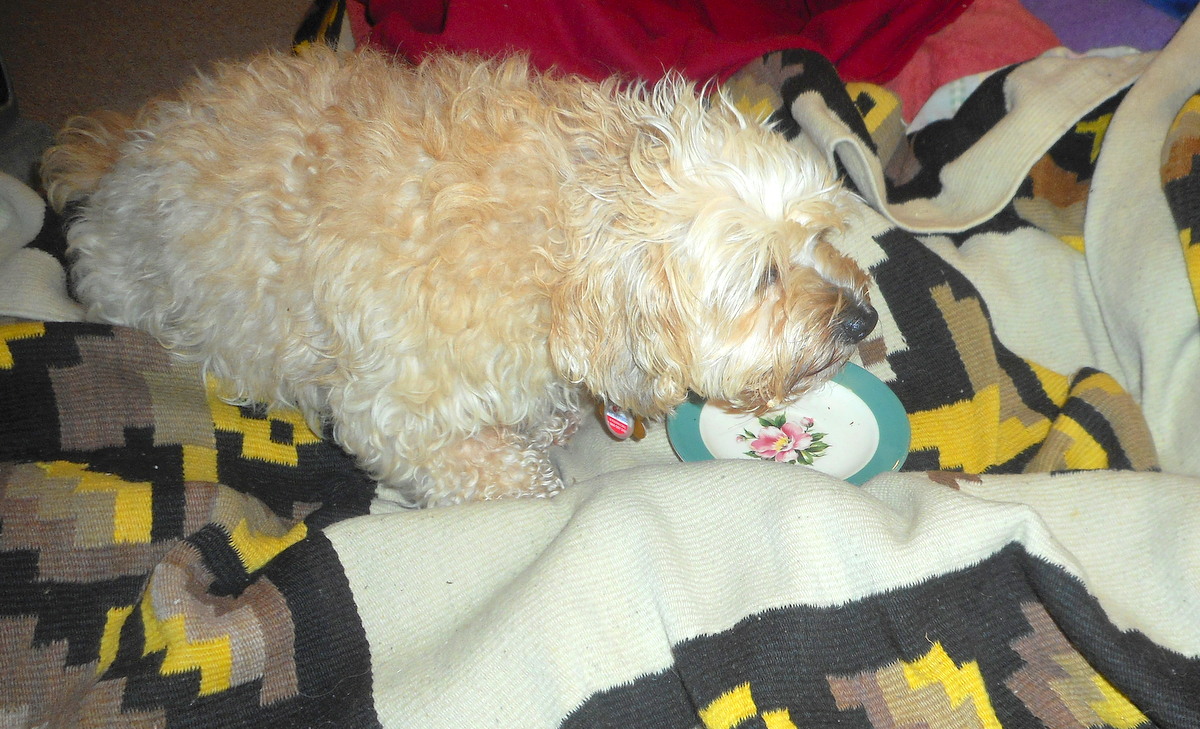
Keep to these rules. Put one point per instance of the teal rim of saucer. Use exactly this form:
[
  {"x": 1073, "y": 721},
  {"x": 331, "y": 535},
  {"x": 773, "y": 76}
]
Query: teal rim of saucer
[{"x": 683, "y": 427}]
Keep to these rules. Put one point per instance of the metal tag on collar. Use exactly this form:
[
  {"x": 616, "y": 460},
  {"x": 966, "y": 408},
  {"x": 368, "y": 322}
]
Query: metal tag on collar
[{"x": 618, "y": 422}]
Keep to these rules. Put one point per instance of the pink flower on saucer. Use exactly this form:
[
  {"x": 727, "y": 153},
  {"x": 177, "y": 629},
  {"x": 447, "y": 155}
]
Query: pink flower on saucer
[
  {"x": 784, "y": 441},
  {"x": 781, "y": 444}
]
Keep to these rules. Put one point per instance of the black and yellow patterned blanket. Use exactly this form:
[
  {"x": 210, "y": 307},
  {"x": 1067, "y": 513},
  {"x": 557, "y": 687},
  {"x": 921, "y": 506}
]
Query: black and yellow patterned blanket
[{"x": 169, "y": 560}]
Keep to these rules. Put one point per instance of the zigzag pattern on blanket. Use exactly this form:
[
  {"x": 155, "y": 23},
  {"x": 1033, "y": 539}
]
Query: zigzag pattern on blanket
[
  {"x": 1181, "y": 184},
  {"x": 973, "y": 404},
  {"x": 841, "y": 671},
  {"x": 159, "y": 563}
]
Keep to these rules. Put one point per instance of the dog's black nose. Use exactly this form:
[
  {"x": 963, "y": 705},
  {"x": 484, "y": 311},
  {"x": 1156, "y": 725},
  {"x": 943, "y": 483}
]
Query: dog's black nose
[{"x": 856, "y": 322}]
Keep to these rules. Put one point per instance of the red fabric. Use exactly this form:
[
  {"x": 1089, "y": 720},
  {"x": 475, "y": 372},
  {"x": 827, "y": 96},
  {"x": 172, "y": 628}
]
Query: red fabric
[
  {"x": 989, "y": 35},
  {"x": 360, "y": 27},
  {"x": 868, "y": 40}
]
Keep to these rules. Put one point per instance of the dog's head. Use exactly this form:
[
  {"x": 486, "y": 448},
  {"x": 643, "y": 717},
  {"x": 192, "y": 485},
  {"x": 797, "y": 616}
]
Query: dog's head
[{"x": 706, "y": 267}]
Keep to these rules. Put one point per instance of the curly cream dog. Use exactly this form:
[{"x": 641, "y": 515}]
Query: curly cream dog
[{"x": 441, "y": 260}]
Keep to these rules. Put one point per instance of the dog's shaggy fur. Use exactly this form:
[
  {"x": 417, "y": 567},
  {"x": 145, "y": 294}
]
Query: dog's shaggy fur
[{"x": 441, "y": 259}]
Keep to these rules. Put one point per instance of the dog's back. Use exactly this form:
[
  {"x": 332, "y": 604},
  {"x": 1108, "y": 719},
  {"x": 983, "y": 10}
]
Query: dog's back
[{"x": 304, "y": 226}]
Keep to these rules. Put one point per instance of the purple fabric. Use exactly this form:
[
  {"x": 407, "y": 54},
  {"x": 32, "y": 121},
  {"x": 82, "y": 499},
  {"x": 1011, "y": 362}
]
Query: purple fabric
[{"x": 1086, "y": 24}]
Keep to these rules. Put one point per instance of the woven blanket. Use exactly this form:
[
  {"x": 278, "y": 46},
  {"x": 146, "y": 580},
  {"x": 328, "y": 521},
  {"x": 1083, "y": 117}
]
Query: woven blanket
[{"x": 170, "y": 560}]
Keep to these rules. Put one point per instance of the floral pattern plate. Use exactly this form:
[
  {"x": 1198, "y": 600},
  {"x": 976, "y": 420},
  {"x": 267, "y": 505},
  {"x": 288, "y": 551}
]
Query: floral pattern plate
[{"x": 852, "y": 427}]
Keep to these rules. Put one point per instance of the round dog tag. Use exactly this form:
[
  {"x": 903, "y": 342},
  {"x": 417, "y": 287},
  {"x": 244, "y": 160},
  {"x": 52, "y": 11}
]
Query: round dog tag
[{"x": 618, "y": 421}]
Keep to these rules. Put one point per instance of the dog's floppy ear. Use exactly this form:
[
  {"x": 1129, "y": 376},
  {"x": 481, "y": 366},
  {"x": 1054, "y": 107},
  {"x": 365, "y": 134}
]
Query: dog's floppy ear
[{"x": 618, "y": 329}]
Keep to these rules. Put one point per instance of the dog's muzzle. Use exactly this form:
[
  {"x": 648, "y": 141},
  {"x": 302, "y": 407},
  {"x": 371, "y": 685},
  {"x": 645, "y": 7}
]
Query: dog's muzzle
[{"x": 855, "y": 322}]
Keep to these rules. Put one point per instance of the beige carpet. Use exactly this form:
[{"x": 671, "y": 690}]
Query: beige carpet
[{"x": 68, "y": 57}]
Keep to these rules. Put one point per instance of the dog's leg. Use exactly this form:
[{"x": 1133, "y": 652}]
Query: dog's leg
[
  {"x": 498, "y": 462},
  {"x": 495, "y": 463}
]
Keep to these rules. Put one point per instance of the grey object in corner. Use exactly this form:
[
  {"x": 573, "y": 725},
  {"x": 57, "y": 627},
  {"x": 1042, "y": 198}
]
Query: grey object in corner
[{"x": 8, "y": 100}]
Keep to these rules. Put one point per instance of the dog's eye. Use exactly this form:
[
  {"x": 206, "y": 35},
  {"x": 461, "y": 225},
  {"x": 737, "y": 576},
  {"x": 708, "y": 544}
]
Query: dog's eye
[{"x": 769, "y": 277}]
